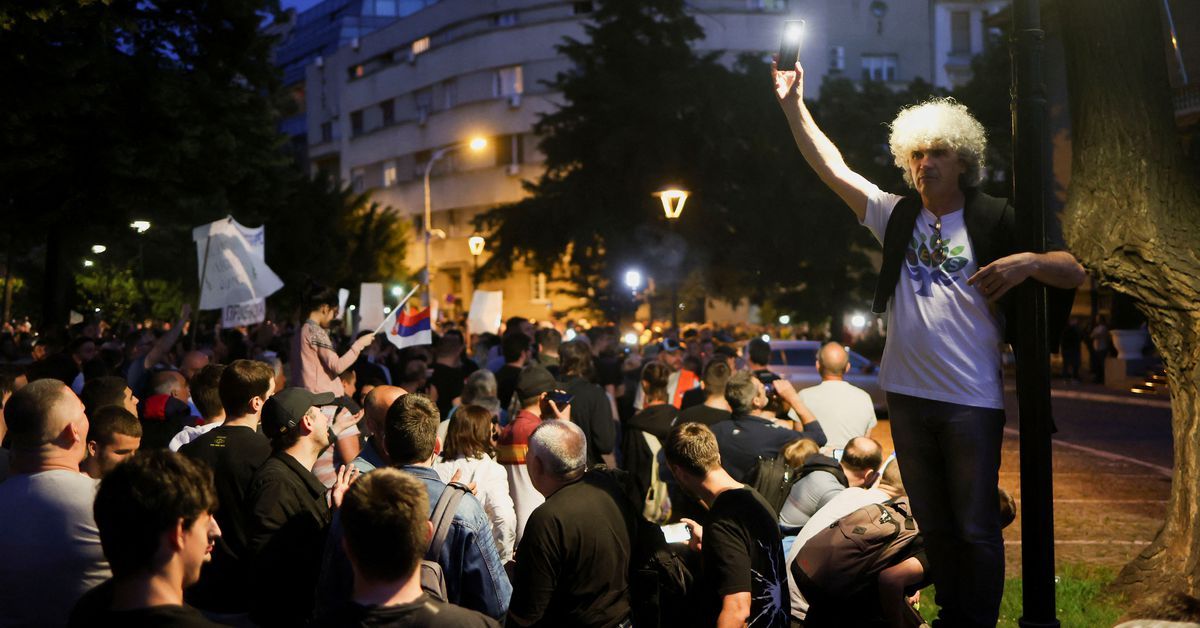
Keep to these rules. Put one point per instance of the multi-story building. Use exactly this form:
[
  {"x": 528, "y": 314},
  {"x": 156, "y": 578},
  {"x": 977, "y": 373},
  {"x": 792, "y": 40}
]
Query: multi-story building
[{"x": 378, "y": 108}]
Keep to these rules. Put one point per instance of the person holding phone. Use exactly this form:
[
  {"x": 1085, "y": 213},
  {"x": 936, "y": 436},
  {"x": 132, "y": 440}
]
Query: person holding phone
[{"x": 950, "y": 261}]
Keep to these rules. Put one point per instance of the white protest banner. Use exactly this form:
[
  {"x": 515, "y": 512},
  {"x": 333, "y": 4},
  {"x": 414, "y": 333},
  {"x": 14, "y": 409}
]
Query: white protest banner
[
  {"x": 370, "y": 305},
  {"x": 243, "y": 314},
  {"x": 343, "y": 299},
  {"x": 232, "y": 264},
  {"x": 486, "y": 307}
]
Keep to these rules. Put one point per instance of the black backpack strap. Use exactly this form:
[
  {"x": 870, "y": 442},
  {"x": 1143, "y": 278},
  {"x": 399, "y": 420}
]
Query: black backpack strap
[
  {"x": 895, "y": 243},
  {"x": 443, "y": 516}
]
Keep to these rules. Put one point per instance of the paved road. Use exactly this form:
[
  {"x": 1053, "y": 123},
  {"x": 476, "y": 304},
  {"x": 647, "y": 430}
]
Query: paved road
[{"x": 1110, "y": 421}]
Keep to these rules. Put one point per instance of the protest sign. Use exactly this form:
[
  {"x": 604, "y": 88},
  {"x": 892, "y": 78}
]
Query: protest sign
[
  {"x": 243, "y": 314},
  {"x": 232, "y": 265},
  {"x": 370, "y": 305},
  {"x": 486, "y": 307}
]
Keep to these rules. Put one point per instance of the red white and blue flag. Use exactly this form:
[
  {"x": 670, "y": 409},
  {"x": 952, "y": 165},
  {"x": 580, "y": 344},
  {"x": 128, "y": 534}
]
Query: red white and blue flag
[{"x": 409, "y": 328}]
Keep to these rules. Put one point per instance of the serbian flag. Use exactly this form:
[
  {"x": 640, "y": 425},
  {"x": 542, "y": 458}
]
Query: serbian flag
[{"x": 409, "y": 328}]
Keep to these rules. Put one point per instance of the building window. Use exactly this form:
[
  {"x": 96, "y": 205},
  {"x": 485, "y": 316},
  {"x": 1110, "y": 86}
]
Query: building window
[
  {"x": 449, "y": 93},
  {"x": 537, "y": 288},
  {"x": 385, "y": 8},
  {"x": 356, "y": 123},
  {"x": 879, "y": 67},
  {"x": 583, "y": 7},
  {"x": 388, "y": 109},
  {"x": 960, "y": 32},
  {"x": 326, "y": 132},
  {"x": 358, "y": 180},
  {"x": 389, "y": 174},
  {"x": 423, "y": 101},
  {"x": 509, "y": 150},
  {"x": 356, "y": 71},
  {"x": 508, "y": 18},
  {"x": 837, "y": 58},
  {"x": 508, "y": 82},
  {"x": 420, "y": 45}
]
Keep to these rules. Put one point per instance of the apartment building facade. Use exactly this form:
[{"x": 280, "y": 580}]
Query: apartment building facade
[{"x": 378, "y": 108}]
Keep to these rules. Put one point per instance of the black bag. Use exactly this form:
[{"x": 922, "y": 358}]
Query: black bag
[
  {"x": 659, "y": 579},
  {"x": 773, "y": 479},
  {"x": 844, "y": 558},
  {"x": 433, "y": 581}
]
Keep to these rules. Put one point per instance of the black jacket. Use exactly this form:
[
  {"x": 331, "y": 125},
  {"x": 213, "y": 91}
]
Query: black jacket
[{"x": 591, "y": 411}]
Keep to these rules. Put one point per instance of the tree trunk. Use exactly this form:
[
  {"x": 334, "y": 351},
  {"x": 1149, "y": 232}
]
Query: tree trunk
[{"x": 1133, "y": 216}]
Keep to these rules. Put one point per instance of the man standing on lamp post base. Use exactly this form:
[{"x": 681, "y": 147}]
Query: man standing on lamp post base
[{"x": 949, "y": 260}]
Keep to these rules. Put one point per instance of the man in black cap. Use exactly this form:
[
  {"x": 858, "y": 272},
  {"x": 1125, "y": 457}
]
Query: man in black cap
[
  {"x": 533, "y": 384},
  {"x": 288, "y": 506}
]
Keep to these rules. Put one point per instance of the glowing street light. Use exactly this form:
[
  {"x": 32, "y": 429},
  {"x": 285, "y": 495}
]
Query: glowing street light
[
  {"x": 99, "y": 248},
  {"x": 475, "y": 243},
  {"x": 784, "y": 319},
  {"x": 476, "y": 144},
  {"x": 397, "y": 291},
  {"x": 633, "y": 279},
  {"x": 630, "y": 339},
  {"x": 672, "y": 201},
  {"x": 141, "y": 226},
  {"x": 87, "y": 263},
  {"x": 858, "y": 321}
]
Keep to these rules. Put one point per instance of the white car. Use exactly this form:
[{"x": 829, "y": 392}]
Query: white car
[{"x": 797, "y": 361}]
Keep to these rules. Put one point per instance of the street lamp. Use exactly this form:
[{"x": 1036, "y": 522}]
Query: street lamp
[
  {"x": 633, "y": 280},
  {"x": 475, "y": 144},
  {"x": 141, "y": 226},
  {"x": 99, "y": 248},
  {"x": 475, "y": 245},
  {"x": 87, "y": 263},
  {"x": 672, "y": 202}
]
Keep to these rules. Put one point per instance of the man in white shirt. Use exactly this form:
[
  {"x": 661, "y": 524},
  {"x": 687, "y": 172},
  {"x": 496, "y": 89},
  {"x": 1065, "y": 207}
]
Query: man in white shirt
[
  {"x": 949, "y": 258},
  {"x": 48, "y": 535},
  {"x": 844, "y": 410}
]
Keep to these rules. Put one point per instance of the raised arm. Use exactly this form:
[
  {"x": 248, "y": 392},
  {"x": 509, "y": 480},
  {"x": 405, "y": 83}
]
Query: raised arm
[{"x": 818, "y": 151}]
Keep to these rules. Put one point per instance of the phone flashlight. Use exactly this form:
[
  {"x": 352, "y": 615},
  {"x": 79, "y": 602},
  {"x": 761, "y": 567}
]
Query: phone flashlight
[{"x": 789, "y": 44}]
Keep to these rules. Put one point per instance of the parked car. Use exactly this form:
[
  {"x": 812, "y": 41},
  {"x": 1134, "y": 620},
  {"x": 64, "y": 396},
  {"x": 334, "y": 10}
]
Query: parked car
[{"x": 797, "y": 361}]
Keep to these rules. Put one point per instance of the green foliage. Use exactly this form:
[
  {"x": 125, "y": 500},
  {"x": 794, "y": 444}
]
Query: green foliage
[
  {"x": 1080, "y": 596},
  {"x": 165, "y": 297},
  {"x": 110, "y": 288}
]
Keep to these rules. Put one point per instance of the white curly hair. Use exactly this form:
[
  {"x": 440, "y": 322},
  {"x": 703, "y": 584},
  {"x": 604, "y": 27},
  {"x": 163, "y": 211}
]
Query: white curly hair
[{"x": 939, "y": 122}]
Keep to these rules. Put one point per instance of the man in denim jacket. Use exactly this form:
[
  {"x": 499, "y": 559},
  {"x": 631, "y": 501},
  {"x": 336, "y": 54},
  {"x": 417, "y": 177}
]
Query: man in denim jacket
[{"x": 475, "y": 578}]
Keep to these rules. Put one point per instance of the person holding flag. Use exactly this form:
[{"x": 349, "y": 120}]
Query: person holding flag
[{"x": 408, "y": 328}]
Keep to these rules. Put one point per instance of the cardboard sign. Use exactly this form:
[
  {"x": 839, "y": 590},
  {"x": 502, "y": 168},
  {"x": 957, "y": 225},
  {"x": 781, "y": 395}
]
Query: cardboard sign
[
  {"x": 243, "y": 314},
  {"x": 232, "y": 266},
  {"x": 370, "y": 306},
  {"x": 486, "y": 309}
]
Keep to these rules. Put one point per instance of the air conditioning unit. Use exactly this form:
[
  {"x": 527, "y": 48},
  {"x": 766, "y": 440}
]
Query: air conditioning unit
[
  {"x": 422, "y": 115},
  {"x": 354, "y": 43},
  {"x": 514, "y": 100},
  {"x": 320, "y": 61},
  {"x": 512, "y": 170}
]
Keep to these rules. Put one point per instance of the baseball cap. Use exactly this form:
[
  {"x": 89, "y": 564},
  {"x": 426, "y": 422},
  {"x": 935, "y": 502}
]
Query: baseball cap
[
  {"x": 533, "y": 381},
  {"x": 285, "y": 409},
  {"x": 670, "y": 345}
]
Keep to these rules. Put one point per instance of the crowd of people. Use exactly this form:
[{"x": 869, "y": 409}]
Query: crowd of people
[
  {"x": 166, "y": 479},
  {"x": 291, "y": 475}
]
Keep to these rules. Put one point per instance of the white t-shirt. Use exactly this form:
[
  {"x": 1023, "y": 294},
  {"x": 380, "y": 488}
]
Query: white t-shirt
[
  {"x": 491, "y": 487},
  {"x": 845, "y": 503},
  {"x": 943, "y": 336},
  {"x": 192, "y": 432},
  {"x": 844, "y": 410},
  {"x": 50, "y": 546}
]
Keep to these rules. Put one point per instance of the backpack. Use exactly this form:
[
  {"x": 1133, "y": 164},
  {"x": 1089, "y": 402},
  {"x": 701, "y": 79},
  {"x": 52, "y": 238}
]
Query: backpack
[
  {"x": 773, "y": 479},
  {"x": 433, "y": 581},
  {"x": 842, "y": 559},
  {"x": 656, "y": 505}
]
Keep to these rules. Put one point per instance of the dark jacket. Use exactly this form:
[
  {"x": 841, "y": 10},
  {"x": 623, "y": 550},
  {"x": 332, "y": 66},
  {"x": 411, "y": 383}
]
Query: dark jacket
[
  {"x": 655, "y": 420},
  {"x": 289, "y": 517},
  {"x": 591, "y": 411}
]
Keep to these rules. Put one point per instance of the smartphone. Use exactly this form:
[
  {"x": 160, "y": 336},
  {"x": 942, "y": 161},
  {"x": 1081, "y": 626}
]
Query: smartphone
[
  {"x": 560, "y": 398},
  {"x": 789, "y": 45},
  {"x": 837, "y": 454},
  {"x": 677, "y": 533}
]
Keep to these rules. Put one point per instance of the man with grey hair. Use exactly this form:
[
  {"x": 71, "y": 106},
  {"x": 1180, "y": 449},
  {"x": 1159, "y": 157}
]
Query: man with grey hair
[
  {"x": 572, "y": 566},
  {"x": 950, "y": 260}
]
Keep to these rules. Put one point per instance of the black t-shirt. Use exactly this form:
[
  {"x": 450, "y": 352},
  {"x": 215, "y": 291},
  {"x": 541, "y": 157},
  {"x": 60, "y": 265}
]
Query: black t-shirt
[
  {"x": 703, "y": 414},
  {"x": 506, "y": 384},
  {"x": 234, "y": 453},
  {"x": 743, "y": 552},
  {"x": 692, "y": 398},
  {"x": 93, "y": 610},
  {"x": 572, "y": 566},
  {"x": 423, "y": 612}
]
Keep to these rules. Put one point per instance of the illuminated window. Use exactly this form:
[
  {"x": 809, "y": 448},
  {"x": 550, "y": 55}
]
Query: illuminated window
[
  {"x": 508, "y": 81},
  {"x": 420, "y": 45}
]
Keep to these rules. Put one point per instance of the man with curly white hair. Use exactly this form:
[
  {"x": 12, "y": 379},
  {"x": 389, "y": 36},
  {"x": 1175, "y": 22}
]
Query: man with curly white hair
[{"x": 949, "y": 258}]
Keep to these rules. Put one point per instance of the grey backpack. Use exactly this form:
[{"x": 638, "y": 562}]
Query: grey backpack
[{"x": 433, "y": 581}]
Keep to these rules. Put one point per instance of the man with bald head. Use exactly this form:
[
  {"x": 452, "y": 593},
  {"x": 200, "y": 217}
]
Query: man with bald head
[
  {"x": 375, "y": 408},
  {"x": 48, "y": 535},
  {"x": 844, "y": 410},
  {"x": 572, "y": 564}
]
